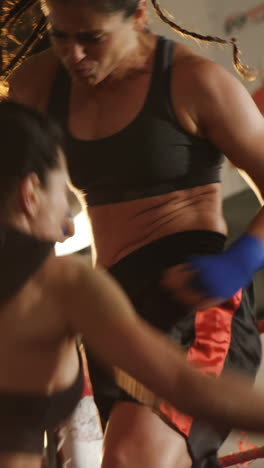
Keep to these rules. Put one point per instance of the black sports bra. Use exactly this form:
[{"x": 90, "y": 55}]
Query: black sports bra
[
  {"x": 153, "y": 155},
  {"x": 24, "y": 416}
]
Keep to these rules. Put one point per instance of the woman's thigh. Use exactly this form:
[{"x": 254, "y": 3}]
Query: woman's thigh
[{"x": 137, "y": 438}]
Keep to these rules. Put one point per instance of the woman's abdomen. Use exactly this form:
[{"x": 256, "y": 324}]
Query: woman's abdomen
[{"x": 121, "y": 228}]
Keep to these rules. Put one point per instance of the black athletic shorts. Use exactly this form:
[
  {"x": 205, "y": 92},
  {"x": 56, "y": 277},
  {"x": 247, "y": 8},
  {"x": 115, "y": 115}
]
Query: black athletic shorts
[{"x": 224, "y": 336}]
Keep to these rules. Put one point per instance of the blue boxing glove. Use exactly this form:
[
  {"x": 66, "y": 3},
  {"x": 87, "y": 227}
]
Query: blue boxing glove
[{"x": 222, "y": 275}]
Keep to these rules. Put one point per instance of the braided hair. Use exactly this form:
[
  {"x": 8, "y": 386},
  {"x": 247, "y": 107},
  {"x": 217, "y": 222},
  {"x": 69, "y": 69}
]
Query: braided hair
[
  {"x": 17, "y": 39},
  {"x": 244, "y": 70}
]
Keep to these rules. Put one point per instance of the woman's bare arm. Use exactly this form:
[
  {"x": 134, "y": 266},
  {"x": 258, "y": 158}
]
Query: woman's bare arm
[
  {"x": 221, "y": 110},
  {"x": 31, "y": 82},
  {"x": 230, "y": 119},
  {"x": 95, "y": 306}
]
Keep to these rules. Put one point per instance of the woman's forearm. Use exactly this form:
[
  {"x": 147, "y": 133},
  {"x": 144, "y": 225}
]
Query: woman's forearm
[
  {"x": 228, "y": 400},
  {"x": 119, "y": 338}
]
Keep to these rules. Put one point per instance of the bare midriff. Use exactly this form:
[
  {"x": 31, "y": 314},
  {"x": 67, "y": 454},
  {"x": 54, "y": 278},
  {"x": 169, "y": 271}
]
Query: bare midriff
[{"x": 121, "y": 228}]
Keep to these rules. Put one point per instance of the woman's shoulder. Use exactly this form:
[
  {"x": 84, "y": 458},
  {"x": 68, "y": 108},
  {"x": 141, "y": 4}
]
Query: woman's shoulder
[
  {"x": 75, "y": 276},
  {"x": 198, "y": 85},
  {"x": 196, "y": 75},
  {"x": 68, "y": 267},
  {"x": 187, "y": 60},
  {"x": 69, "y": 273},
  {"x": 30, "y": 82}
]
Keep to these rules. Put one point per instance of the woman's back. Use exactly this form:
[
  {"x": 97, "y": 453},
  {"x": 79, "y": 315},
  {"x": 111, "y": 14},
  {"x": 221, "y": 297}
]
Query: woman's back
[{"x": 41, "y": 377}]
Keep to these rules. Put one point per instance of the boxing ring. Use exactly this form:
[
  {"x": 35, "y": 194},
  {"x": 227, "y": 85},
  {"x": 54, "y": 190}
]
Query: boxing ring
[{"x": 244, "y": 456}]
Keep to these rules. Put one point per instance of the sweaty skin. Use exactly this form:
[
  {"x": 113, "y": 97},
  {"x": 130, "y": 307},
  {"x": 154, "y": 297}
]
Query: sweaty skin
[
  {"x": 207, "y": 102},
  {"x": 66, "y": 297},
  {"x": 198, "y": 86},
  {"x": 140, "y": 221}
]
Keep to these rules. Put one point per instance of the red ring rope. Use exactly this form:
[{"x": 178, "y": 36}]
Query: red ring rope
[{"x": 241, "y": 457}]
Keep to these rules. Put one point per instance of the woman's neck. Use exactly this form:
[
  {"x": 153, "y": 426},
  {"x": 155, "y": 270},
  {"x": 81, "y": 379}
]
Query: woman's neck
[{"x": 137, "y": 58}]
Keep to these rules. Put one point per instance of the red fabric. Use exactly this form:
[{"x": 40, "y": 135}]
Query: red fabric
[
  {"x": 258, "y": 97},
  {"x": 209, "y": 350},
  {"x": 260, "y": 326},
  {"x": 87, "y": 387}
]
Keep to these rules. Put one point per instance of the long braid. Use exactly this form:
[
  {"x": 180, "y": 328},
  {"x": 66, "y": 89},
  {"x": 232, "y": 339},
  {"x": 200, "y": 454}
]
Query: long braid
[
  {"x": 13, "y": 15},
  {"x": 25, "y": 49},
  {"x": 15, "y": 12},
  {"x": 244, "y": 70}
]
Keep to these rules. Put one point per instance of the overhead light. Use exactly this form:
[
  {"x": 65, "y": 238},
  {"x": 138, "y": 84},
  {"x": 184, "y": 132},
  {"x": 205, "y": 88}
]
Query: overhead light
[{"x": 81, "y": 239}]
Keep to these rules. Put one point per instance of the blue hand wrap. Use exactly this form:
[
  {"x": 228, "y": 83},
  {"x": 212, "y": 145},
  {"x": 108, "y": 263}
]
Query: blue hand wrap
[{"x": 222, "y": 275}]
